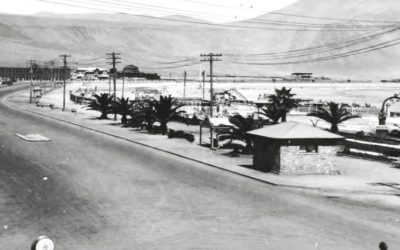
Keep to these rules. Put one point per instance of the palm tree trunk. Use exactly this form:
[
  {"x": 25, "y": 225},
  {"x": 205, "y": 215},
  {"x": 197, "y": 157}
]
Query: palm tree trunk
[
  {"x": 334, "y": 128},
  {"x": 164, "y": 128},
  {"x": 249, "y": 148},
  {"x": 284, "y": 117},
  {"x": 124, "y": 120},
  {"x": 103, "y": 116}
]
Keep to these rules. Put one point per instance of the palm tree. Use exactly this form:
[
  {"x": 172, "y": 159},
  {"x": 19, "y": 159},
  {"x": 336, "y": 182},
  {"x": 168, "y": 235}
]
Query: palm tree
[
  {"x": 102, "y": 103},
  {"x": 284, "y": 101},
  {"x": 123, "y": 106},
  {"x": 143, "y": 112},
  {"x": 334, "y": 114},
  {"x": 272, "y": 111},
  {"x": 244, "y": 125},
  {"x": 165, "y": 109}
]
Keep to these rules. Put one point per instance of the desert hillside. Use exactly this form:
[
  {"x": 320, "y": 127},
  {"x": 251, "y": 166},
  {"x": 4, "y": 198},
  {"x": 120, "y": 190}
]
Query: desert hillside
[{"x": 151, "y": 43}]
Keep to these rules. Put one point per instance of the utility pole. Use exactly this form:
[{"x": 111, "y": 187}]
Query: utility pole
[
  {"x": 109, "y": 84},
  {"x": 211, "y": 58},
  {"x": 114, "y": 57},
  {"x": 52, "y": 63},
  {"x": 64, "y": 59},
  {"x": 31, "y": 64},
  {"x": 123, "y": 82},
  {"x": 203, "y": 74},
  {"x": 184, "y": 84}
]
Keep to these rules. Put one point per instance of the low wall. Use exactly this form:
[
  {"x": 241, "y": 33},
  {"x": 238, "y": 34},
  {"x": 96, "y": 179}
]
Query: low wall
[
  {"x": 79, "y": 99},
  {"x": 386, "y": 150}
]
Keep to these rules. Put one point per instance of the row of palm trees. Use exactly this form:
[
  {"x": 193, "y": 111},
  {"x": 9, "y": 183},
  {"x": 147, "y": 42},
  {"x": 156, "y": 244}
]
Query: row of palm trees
[
  {"x": 141, "y": 112},
  {"x": 148, "y": 112},
  {"x": 282, "y": 101},
  {"x": 280, "y": 104}
]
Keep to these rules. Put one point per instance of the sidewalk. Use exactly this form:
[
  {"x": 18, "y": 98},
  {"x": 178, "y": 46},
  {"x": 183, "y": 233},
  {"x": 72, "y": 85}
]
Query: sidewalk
[{"x": 354, "y": 183}]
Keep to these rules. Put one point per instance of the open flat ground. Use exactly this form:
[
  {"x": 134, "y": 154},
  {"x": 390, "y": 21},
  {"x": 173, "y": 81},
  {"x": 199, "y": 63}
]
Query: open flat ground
[{"x": 363, "y": 92}]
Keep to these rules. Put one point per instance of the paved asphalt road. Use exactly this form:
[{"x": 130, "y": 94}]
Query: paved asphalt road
[{"x": 90, "y": 191}]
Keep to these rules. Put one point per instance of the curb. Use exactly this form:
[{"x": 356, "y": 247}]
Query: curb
[{"x": 4, "y": 101}]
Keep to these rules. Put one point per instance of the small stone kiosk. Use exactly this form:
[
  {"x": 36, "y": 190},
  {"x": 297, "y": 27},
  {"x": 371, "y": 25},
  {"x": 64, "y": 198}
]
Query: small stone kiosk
[{"x": 295, "y": 148}]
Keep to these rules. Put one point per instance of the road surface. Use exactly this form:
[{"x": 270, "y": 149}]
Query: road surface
[{"x": 90, "y": 191}]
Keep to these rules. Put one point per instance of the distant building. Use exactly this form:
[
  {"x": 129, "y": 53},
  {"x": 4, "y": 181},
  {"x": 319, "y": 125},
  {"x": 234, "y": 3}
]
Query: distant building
[
  {"x": 300, "y": 77},
  {"x": 130, "y": 71},
  {"x": 36, "y": 73},
  {"x": 96, "y": 73},
  {"x": 90, "y": 74}
]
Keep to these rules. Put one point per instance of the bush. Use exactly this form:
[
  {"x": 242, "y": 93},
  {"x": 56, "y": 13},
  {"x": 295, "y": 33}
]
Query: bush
[{"x": 180, "y": 134}]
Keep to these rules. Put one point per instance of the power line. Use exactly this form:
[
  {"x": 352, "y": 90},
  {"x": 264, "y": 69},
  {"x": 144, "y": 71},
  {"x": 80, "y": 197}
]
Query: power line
[
  {"x": 203, "y": 22},
  {"x": 332, "y": 19},
  {"x": 319, "y": 49},
  {"x": 135, "y": 6},
  {"x": 215, "y": 5},
  {"x": 174, "y": 67},
  {"x": 331, "y": 57},
  {"x": 315, "y": 52},
  {"x": 164, "y": 9}
]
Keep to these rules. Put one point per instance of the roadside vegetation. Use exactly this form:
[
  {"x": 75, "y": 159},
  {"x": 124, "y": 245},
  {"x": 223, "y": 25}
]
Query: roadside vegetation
[
  {"x": 153, "y": 115},
  {"x": 102, "y": 103},
  {"x": 334, "y": 114},
  {"x": 123, "y": 107}
]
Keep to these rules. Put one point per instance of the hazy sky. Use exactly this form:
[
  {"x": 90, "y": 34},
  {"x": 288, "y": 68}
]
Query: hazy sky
[{"x": 217, "y": 11}]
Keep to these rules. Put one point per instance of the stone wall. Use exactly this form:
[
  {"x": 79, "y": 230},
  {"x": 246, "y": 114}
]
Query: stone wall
[{"x": 295, "y": 162}]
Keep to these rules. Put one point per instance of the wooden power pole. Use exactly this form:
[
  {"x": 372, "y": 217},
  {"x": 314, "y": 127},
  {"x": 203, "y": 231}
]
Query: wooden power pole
[
  {"x": 184, "y": 84},
  {"x": 64, "y": 59},
  {"x": 211, "y": 58},
  {"x": 203, "y": 74},
  {"x": 31, "y": 64},
  {"x": 114, "y": 57}
]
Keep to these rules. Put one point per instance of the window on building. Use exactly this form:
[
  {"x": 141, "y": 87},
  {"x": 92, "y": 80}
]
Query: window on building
[{"x": 309, "y": 148}]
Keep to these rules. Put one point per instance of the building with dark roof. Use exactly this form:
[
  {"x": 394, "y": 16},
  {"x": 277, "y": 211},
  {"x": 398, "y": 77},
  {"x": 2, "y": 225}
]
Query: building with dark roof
[{"x": 295, "y": 148}]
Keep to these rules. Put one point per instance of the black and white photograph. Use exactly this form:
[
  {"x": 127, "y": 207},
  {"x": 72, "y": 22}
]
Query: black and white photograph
[{"x": 200, "y": 124}]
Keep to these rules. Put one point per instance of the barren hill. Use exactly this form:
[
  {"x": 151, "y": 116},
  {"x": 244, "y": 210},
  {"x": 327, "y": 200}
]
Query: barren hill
[{"x": 150, "y": 42}]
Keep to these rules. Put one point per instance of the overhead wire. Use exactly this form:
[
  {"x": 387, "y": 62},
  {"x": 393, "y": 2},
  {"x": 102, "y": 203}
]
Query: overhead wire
[
  {"x": 375, "y": 47},
  {"x": 330, "y": 18},
  {"x": 162, "y": 9},
  {"x": 322, "y": 49},
  {"x": 235, "y": 25},
  {"x": 317, "y": 50},
  {"x": 174, "y": 67}
]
